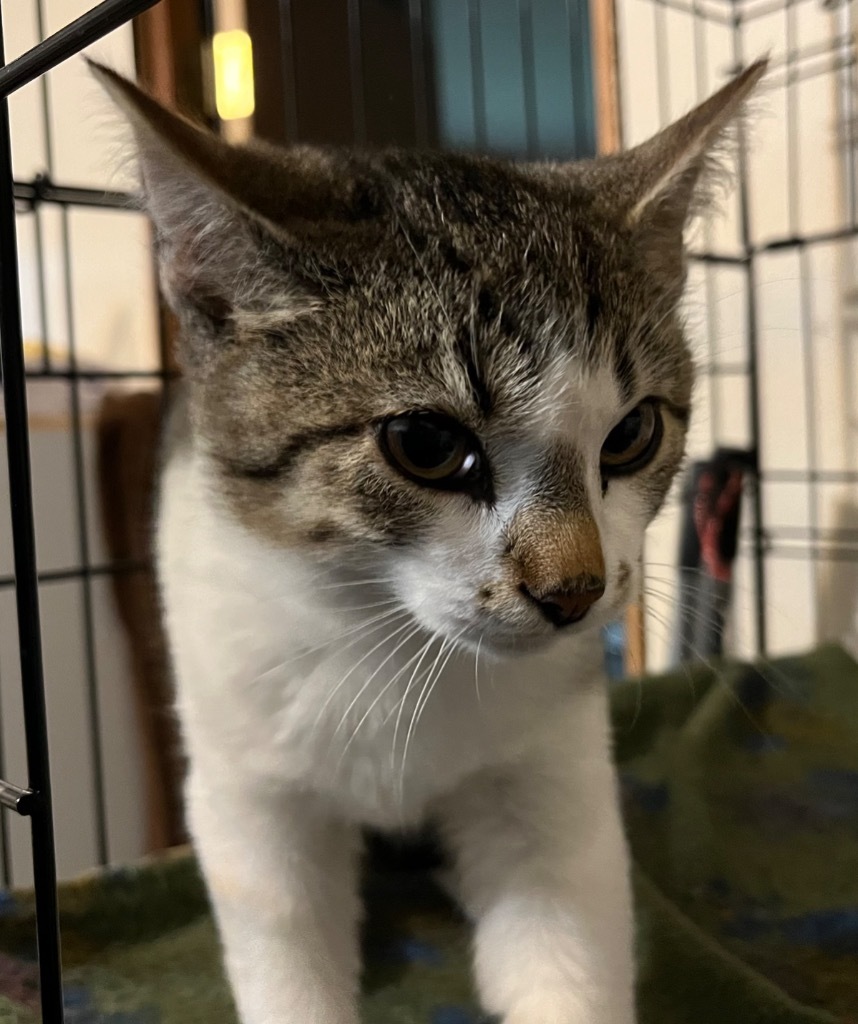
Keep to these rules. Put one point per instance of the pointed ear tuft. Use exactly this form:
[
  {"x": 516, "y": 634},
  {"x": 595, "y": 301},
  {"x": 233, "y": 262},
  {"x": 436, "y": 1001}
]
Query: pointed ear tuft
[
  {"x": 209, "y": 246},
  {"x": 302, "y": 189},
  {"x": 677, "y": 164},
  {"x": 224, "y": 215},
  {"x": 662, "y": 183}
]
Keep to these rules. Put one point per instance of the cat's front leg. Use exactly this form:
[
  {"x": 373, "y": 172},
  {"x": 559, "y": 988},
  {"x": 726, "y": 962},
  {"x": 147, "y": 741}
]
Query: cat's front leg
[
  {"x": 282, "y": 877},
  {"x": 543, "y": 869}
]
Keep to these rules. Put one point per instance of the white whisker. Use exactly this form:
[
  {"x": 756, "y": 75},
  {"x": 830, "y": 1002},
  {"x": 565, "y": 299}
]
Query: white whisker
[
  {"x": 374, "y": 673},
  {"x": 371, "y": 625},
  {"x": 368, "y": 654},
  {"x": 401, "y": 706},
  {"x": 770, "y": 672},
  {"x": 707, "y": 663},
  {"x": 477, "y": 671},
  {"x": 396, "y": 676},
  {"x": 426, "y": 684},
  {"x": 423, "y": 699},
  {"x": 357, "y": 583}
]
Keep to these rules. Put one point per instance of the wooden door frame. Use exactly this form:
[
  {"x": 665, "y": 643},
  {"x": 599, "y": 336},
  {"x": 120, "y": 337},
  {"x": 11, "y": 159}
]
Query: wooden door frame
[
  {"x": 603, "y": 43},
  {"x": 609, "y": 136}
]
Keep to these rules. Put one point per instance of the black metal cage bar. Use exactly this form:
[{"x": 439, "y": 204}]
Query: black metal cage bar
[
  {"x": 34, "y": 799},
  {"x": 764, "y": 540}
]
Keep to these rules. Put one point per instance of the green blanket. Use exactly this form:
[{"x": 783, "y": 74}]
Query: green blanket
[{"x": 740, "y": 789}]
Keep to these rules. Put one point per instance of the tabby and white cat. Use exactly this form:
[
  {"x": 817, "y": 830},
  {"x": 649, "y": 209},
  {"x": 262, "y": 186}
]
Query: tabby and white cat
[{"x": 432, "y": 403}]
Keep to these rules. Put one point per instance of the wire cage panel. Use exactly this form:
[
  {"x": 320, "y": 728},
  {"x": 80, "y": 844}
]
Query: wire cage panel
[
  {"x": 54, "y": 114},
  {"x": 772, "y": 310},
  {"x": 89, "y": 319},
  {"x": 54, "y": 376},
  {"x": 769, "y": 303}
]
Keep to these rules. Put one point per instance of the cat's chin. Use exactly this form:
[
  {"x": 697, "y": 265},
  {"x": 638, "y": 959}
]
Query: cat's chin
[
  {"x": 507, "y": 645},
  {"x": 512, "y": 647}
]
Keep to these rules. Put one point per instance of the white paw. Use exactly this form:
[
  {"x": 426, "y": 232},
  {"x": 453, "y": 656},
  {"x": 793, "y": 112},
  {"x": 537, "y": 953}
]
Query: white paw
[
  {"x": 547, "y": 1009},
  {"x": 563, "y": 1008}
]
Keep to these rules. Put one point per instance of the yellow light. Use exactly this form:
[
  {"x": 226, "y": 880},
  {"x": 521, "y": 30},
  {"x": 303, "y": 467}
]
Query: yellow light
[{"x": 233, "y": 70}]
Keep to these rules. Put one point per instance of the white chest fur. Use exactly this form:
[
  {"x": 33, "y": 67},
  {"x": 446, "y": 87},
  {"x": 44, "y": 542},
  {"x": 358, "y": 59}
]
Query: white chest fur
[{"x": 299, "y": 725}]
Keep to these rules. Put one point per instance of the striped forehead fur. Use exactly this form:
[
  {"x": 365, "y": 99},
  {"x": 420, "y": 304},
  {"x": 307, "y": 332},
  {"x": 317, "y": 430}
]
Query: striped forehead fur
[
  {"x": 320, "y": 291},
  {"x": 481, "y": 321}
]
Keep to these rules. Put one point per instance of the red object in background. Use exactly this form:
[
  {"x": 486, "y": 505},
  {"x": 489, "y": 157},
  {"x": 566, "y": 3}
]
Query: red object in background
[{"x": 714, "y": 511}]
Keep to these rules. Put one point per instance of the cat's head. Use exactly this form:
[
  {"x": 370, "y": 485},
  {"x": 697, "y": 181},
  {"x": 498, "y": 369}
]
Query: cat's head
[{"x": 459, "y": 375}]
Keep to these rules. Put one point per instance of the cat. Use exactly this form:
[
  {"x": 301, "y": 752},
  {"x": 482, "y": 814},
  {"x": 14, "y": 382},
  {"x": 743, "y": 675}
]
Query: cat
[{"x": 430, "y": 404}]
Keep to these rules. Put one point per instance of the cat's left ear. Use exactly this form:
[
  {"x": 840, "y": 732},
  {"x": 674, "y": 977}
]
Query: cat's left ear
[
  {"x": 662, "y": 183},
  {"x": 225, "y": 216}
]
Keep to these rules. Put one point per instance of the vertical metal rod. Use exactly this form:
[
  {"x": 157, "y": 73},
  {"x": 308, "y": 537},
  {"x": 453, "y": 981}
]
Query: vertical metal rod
[
  {"x": 41, "y": 289},
  {"x": 793, "y": 179},
  {"x": 528, "y": 67},
  {"x": 812, "y": 448},
  {"x": 356, "y": 74},
  {"x": 290, "y": 80},
  {"x": 573, "y": 106},
  {"x": 93, "y": 708},
  {"x": 701, "y": 66},
  {"x": 417, "y": 25},
  {"x": 5, "y": 859},
  {"x": 207, "y": 16},
  {"x": 581, "y": 77},
  {"x": 27, "y": 588},
  {"x": 478, "y": 76},
  {"x": 848, "y": 110},
  {"x": 82, "y": 516},
  {"x": 849, "y": 115},
  {"x": 661, "y": 64},
  {"x": 208, "y": 21},
  {"x": 757, "y": 530},
  {"x": 792, "y": 153},
  {"x": 44, "y": 90},
  {"x": 47, "y": 132}
]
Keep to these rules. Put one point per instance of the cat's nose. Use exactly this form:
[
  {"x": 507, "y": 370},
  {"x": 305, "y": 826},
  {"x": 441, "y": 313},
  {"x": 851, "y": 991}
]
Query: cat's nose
[{"x": 570, "y": 603}]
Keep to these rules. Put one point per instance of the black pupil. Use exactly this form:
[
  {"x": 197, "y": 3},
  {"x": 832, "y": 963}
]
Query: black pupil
[
  {"x": 427, "y": 444},
  {"x": 624, "y": 434}
]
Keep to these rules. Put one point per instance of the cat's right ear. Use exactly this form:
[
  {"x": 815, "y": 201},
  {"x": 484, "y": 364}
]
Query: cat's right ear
[
  {"x": 223, "y": 213},
  {"x": 658, "y": 186}
]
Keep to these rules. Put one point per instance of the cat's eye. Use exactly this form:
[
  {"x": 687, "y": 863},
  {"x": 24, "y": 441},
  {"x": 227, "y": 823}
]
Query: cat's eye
[
  {"x": 633, "y": 441},
  {"x": 433, "y": 449}
]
